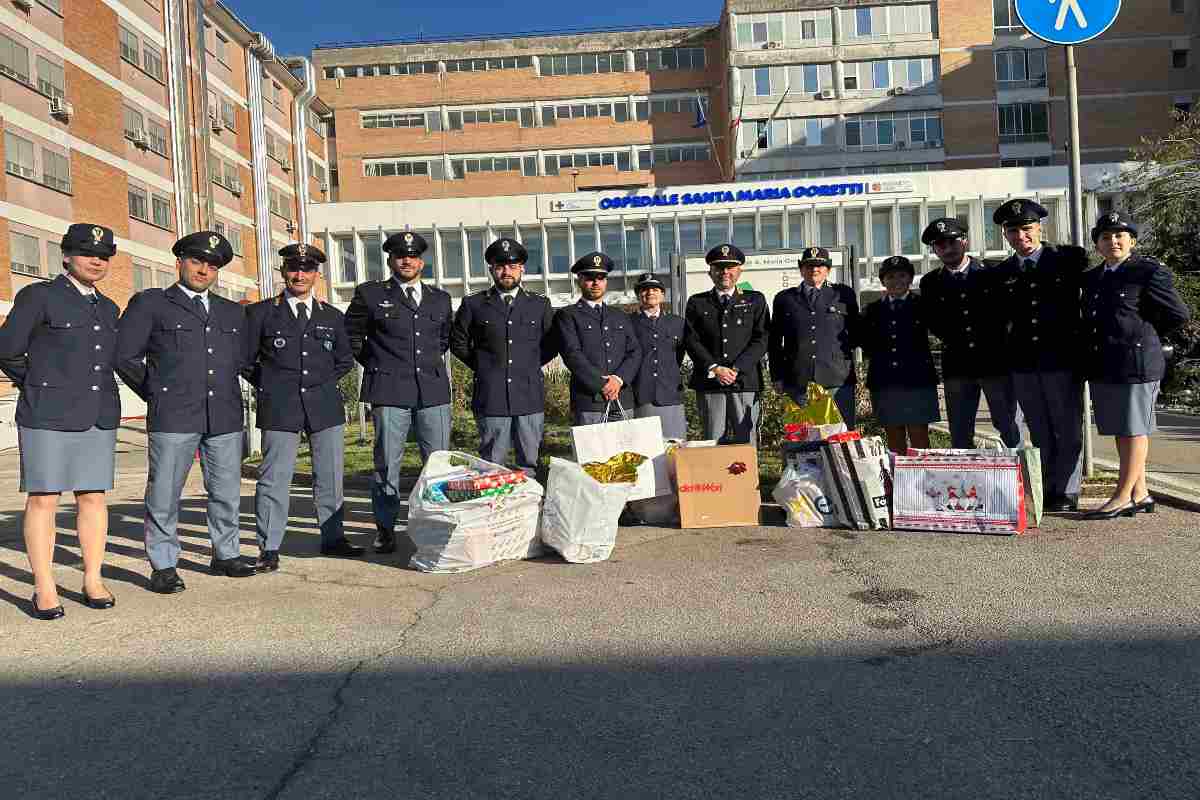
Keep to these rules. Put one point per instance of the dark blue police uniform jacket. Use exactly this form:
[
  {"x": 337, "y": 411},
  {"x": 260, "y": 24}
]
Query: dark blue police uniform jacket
[
  {"x": 965, "y": 314},
  {"x": 60, "y": 350},
  {"x": 1042, "y": 308},
  {"x": 594, "y": 346},
  {"x": 814, "y": 343},
  {"x": 506, "y": 346},
  {"x": 190, "y": 376},
  {"x": 1124, "y": 314},
  {"x": 659, "y": 381},
  {"x": 400, "y": 347},
  {"x": 895, "y": 339},
  {"x": 735, "y": 337},
  {"x": 296, "y": 369}
]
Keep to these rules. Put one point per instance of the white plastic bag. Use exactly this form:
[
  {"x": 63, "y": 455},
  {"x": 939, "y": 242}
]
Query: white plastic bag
[
  {"x": 579, "y": 518},
  {"x": 801, "y": 492},
  {"x": 457, "y": 537},
  {"x": 603, "y": 440}
]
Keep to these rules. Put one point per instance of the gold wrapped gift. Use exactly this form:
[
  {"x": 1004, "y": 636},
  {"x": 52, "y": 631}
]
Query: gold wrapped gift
[
  {"x": 621, "y": 468},
  {"x": 818, "y": 410}
]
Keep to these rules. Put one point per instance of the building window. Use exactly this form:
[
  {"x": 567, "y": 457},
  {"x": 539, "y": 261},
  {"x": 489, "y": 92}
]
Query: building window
[
  {"x": 771, "y": 231},
  {"x": 274, "y": 92},
  {"x": 130, "y": 47},
  {"x": 134, "y": 123},
  {"x": 1021, "y": 66},
  {"x": 1024, "y": 122},
  {"x": 669, "y": 58},
  {"x": 372, "y": 246},
  {"x": 138, "y": 204},
  {"x": 54, "y": 256},
  {"x": 141, "y": 277},
  {"x": 14, "y": 59},
  {"x": 452, "y": 254},
  {"x": 56, "y": 170},
  {"x": 925, "y": 129},
  {"x": 152, "y": 61},
  {"x": 18, "y": 156},
  {"x": 910, "y": 229},
  {"x": 430, "y": 168},
  {"x": 581, "y": 64},
  {"x": 25, "y": 254},
  {"x": 881, "y": 232},
  {"x": 219, "y": 45},
  {"x": 157, "y": 135},
  {"x": 53, "y": 5},
  {"x": 531, "y": 239},
  {"x": 280, "y": 204},
  {"x": 348, "y": 267},
  {"x": 762, "y": 81},
  {"x": 1179, "y": 59},
  {"x": 50, "y": 78},
  {"x": 228, "y": 114},
  {"x": 161, "y": 207},
  {"x": 1004, "y": 16},
  {"x": 481, "y": 64},
  {"x": 672, "y": 154},
  {"x": 232, "y": 181}
]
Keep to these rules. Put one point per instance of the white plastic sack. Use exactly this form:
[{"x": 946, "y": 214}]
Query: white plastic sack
[
  {"x": 579, "y": 518},
  {"x": 801, "y": 492},
  {"x": 604, "y": 440},
  {"x": 457, "y": 537}
]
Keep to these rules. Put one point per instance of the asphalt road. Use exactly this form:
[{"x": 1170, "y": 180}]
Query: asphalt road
[{"x": 743, "y": 663}]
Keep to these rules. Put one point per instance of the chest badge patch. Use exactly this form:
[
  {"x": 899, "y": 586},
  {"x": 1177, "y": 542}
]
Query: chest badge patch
[{"x": 280, "y": 343}]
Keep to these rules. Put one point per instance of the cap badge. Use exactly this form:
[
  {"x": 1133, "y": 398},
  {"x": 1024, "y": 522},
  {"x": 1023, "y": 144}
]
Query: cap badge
[
  {"x": 504, "y": 245},
  {"x": 724, "y": 249},
  {"x": 302, "y": 250},
  {"x": 1016, "y": 206},
  {"x": 97, "y": 234},
  {"x": 408, "y": 238},
  {"x": 941, "y": 226},
  {"x": 1114, "y": 217},
  {"x": 597, "y": 260},
  {"x": 213, "y": 241}
]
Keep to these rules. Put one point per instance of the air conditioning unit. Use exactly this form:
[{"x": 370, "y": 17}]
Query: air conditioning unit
[
  {"x": 899, "y": 90},
  {"x": 61, "y": 108},
  {"x": 827, "y": 94},
  {"x": 140, "y": 140},
  {"x": 24, "y": 5},
  {"x": 236, "y": 188},
  {"x": 901, "y": 145},
  {"x": 322, "y": 187},
  {"x": 290, "y": 228},
  {"x": 215, "y": 123},
  {"x": 770, "y": 45},
  {"x": 286, "y": 166}
]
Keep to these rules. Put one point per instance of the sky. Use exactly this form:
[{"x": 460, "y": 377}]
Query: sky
[{"x": 295, "y": 26}]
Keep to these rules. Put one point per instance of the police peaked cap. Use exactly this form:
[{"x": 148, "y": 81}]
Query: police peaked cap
[
  {"x": 593, "y": 262},
  {"x": 943, "y": 228},
  {"x": 505, "y": 251},
  {"x": 725, "y": 254},
  {"x": 208, "y": 246},
  {"x": 1114, "y": 221},
  {"x": 86, "y": 239},
  {"x": 1019, "y": 212},
  {"x": 408, "y": 243}
]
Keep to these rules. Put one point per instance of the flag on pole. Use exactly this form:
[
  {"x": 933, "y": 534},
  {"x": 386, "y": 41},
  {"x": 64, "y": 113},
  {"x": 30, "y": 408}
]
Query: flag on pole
[
  {"x": 701, "y": 119},
  {"x": 778, "y": 106},
  {"x": 737, "y": 120}
]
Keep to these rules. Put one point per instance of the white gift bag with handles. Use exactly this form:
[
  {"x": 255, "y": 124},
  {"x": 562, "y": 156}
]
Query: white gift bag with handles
[
  {"x": 603, "y": 440},
  {"x": 579, "y": 516},
  {"x": 969, "y": 494}
]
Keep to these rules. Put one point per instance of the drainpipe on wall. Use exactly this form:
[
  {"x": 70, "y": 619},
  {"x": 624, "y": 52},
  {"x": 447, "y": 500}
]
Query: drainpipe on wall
[
  {"x": 300, "y": 137},
  {"x": 206, "y": 190},
  {"x": 175, "y": 37},
  {"x": 261, "y": 51}
]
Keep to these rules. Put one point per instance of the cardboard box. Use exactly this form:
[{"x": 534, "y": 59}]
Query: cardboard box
[{"x": 718, "y": 486}]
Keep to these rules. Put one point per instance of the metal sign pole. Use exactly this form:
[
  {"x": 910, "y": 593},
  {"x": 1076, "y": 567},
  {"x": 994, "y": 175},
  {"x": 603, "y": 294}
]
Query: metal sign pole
[{"x": 1076, "y": 198}]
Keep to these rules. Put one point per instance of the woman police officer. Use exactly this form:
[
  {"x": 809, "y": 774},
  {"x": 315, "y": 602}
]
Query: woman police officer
[
  {"x": 58, "y": 345},
  {"x": 1128, "y": 302}
]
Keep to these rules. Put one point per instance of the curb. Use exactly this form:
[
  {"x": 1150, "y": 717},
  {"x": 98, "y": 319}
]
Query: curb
[{"x": 1167, "y": 490}]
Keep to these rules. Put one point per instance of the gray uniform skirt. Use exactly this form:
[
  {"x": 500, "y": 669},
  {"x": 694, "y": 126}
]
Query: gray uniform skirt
[
  {"x": 1124, "y": 409},
  {"x": 67, "y": 461},
  {"x": 906, "y": 405}
]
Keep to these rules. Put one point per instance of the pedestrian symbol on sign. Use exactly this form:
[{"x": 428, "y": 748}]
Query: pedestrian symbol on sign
[
  {"x": 1067, "y": 21},
  {"x": 1072, "y": 6}
]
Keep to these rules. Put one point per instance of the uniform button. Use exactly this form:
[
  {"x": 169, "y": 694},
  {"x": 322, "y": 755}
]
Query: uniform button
[
  {"x": 211, "y": 372},
  {"x": 96, "y": 368},
  {"x": 965, "y": 312},
  {"x": 724, "y": 340},
  {"x": 654, "y": 375},
  {"x": 725, "y": 325},
  {"x": 814, "y": 358},
  {"x": 1033, "y": 321},
  {"x": 606, "y": 344},
  {"x": 814, "y": 327},
  {"x": 656, "y": 336},
  {"x": 814, "y": 341},
  {"x": 210, "y": 392},
  {"x": 1034, "y": 302},
  {"x": 972, "y": 344},
  {"x": 1035, "y": 338},
  {"x": 510, "y": 322},
  {"x": 416, "y": 316},
  {"x": 95, "y": 388},
  {"x": 303, "y": 372},
  {"x": 510, "y": 380},
  {"x": 893, "y": 336},
  {"x": 510, "y": 341},
  {"x": 207, "y": 328},
  {"x": 97, "y": 347},
  {"x": 963, "y": 296},
  {"x": 302, "y": 390},
  {"x": 1033, "y": 286},
  {"x": 418, "y": 352},
  {"x": 68, "y": 324},
  {"x": 95, "y": 327},
  {"x": 210, "y": 349},
  {"x": 418, "y": 333},
  {"x": 968, "y": 329},
  {"x": 45, "y": 384},
  {"x": 893, "y": 349},
  {"x": 894, "y": 364},
  {"x": 510, "y": 361},
  {"x": 164, "y": 388},
  {"x": 303, "y": 353},
  {"x": 180, "y": 325}
]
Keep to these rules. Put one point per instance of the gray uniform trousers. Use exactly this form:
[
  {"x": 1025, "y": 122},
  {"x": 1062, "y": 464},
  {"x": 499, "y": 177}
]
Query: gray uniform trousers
[
  {"x": 962, "y": 406},
  {"x": 392, "y": 423},
  {"x": 272, "y": 495},
  {"x": 674, "y": 420},
  {"x": 1052, "y": 403},
  {"x": 740, "y": 412},
  {"x": 171, "y": 456},
  {"x": 496, "y": 437}
]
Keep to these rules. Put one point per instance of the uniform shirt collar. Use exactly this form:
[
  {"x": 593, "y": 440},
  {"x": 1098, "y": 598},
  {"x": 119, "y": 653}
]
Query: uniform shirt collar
[
  {"x": 1034, "y": 256},
  {"x": 403, "y": 287},
  {"x": 294, "y": 302},
  {"x": 86, "y": 291},
  {"x": 726, "y": 292},
  {"x": 1116, "y": 266},
  {"x": 190, "y": 294},
  {"x": 899, "y": 299},
  {"x": 511, "y": 293},
  {"x": 962, "y": 269},
  {"x": 595, "y": 303},
  {"x": 653, "y": 315}
]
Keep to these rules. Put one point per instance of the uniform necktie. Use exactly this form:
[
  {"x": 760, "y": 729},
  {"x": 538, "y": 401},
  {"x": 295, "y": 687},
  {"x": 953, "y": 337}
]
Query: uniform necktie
[
  {"x": 508, "y": 300},
  {"x": 810, "y": 294},
  {"x": 724, "y": 302},
  {"x": 93, "y": 299},
  {"x": 412, "y": 296},
  {"x": 1028, "y": 265},
  {"x": 201, "y": 309},
  {"x": 302, "y": 313}
]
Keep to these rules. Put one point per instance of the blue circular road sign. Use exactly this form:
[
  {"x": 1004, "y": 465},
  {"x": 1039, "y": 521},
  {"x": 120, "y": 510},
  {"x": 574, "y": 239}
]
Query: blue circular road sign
[{"x": 1067, "y": 21}]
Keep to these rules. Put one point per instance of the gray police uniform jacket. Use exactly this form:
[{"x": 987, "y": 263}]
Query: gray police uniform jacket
[
  {"x": 400, "y": 347},
  {"x": 814, "y": 342},
  {"x": 60, "y": 350},
  {"x": 593, "y": 347},
  {"x": 1042, "y": 309},
  {"x": 736, "y": 337},
  {"x": 1124, "y": 314},
  {"x": 190, "y": 376},
  {"x": 659, "y": 381},
  {"x": 506, "y": 346},
  {"x": 964, "y": 314},
  {"x": 296, "y": 369}
]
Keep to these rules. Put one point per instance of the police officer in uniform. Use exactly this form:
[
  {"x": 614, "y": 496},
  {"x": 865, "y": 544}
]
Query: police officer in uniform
[
  {"x": 58, "y": 346},
  {"x": 727, "y": 332},
  {"x": 813, "y": 330},
  {"x": 1129, "y": 301},
  {"x": 963, "y": 313},
  {"x": 298, "y": 351},
  {"x": 598, "y": 346},
  {"x": 193, "y": 343},
  {"x": 658, "y": 387},
  {"x": 400, "y": 331},
  {"x": 1039, "y": 292},
  {"x": 506, "y": 334}
]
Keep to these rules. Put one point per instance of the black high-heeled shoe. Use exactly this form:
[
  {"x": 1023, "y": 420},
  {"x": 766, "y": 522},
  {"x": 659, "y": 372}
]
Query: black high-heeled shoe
[
  {"x": 1145, "y": 505},
  {"x": 48, "y": 613},
  {"x": 99, "y": 603},
  {"x": 1127, "y": 510}
]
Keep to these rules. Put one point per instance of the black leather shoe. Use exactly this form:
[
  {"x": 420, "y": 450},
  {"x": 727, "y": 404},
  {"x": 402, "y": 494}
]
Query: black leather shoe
[
  {"x": 166, "y": 581},
  {"x": 99, "y": 603},
  {"x": 1061, "y": 504},
  {"x": 1144, "y": 506},
  {"x": 343, "y": 549},
  {"x": 385, "y": 541},
  {"x": 232, "y": 567},
  {"x": 1127, "y": 510},
  {"x": 58, "y": 612},
  {"x": 268, "y": 561}
]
